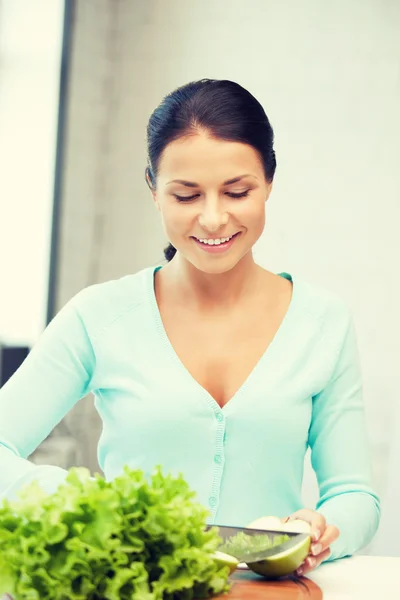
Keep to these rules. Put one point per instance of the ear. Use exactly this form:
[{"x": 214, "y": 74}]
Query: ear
[{"x": 152, "y": 190}]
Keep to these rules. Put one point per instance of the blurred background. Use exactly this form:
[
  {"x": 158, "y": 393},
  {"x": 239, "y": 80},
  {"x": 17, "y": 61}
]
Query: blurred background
[{"x": 78, "y": 82}]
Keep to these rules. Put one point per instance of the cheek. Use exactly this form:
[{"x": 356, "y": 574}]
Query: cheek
[
  {"x": 260, "y": 217},
  {"x": 252, "y": 215},
  {"x": 176, "y": 218}
]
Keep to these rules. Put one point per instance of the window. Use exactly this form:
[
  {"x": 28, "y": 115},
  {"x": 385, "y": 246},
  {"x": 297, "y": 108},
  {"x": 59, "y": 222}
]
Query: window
[{"x": 30, "y": 55}]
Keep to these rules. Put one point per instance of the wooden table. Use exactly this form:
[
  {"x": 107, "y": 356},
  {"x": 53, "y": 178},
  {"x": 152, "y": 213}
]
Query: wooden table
[
  {"x": 248, "y": 586},
  {"x": 356, "y": 578}
]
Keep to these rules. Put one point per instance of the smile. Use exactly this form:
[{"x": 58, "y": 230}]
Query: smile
[
  {"x": 215, "y": 241},
  {"x": 216, "y": 245}
]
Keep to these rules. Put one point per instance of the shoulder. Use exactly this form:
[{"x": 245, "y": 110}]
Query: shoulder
[
  {"x": 100, "y": 305},
  {"x": 323, "y": 303},
  {"x": 323, "y": 309}
]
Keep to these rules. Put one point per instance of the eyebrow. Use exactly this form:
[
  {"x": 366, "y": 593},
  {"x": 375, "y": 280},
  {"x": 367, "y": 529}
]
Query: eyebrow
[{"x": 191, "y": 184}]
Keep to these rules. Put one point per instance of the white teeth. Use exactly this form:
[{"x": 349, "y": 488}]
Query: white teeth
[{"x": 215, "y": 242}]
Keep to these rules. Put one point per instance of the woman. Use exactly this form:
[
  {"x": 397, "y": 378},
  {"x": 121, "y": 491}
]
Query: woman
[{"x": 211, "y": 365}]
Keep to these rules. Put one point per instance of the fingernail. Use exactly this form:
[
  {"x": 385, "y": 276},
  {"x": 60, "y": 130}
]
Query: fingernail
[
  {"x": 312, "y": 562},
  {"x": 316, "y": 549},
  {"x": 316, "y": 535},
  {"x": 300, "y": 571}
]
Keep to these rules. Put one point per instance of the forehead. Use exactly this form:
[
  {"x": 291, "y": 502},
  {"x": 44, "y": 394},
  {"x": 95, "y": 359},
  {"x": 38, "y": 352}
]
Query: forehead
[{"x": 201, "y": 158}]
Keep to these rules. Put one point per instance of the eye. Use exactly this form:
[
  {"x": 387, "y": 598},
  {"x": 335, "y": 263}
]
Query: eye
[
  {"x": 185, "y": 198},
  {"x": 238, "y": 195}
]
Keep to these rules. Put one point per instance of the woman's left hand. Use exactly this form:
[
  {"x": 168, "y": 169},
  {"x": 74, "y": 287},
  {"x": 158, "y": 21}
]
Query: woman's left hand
[{"x": 322, "y": 536}]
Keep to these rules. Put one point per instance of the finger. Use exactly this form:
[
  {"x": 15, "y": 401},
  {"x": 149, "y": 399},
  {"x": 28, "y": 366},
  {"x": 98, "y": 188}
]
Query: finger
[
  {"x": 329, "y": 536},
  {"x": 316, "y": 520},
  {"x": 312, "y": 562}
]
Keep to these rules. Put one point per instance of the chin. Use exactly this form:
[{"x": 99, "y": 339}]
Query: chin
[
  {"x": 214, "y": 267},
  {"x": 215, "y": 264}
]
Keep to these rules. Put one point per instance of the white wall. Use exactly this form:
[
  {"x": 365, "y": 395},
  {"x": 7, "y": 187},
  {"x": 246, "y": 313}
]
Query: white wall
[{"x": 30, "y": 46}]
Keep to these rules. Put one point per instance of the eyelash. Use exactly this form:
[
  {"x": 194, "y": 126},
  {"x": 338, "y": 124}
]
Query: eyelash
[{"x": 230, "y": 194}]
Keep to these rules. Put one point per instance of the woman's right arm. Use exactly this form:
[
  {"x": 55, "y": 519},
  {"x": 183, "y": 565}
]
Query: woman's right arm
[{"x": 55, "y": 375}]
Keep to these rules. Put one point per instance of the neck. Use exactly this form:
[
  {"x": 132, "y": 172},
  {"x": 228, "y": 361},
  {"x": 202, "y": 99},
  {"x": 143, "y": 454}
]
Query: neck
[{"x": 216, "y": 291}]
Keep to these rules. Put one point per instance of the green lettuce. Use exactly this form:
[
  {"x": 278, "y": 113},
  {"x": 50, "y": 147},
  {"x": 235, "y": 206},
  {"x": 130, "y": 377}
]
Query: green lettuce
[{"x": 134, "y": 537}]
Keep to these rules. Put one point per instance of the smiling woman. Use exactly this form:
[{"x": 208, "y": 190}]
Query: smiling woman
[
  {"x": 210, "y": 144},
  {"x": 210, "y": 365}
]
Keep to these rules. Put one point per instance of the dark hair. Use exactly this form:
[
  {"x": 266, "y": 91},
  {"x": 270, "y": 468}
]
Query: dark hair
[{"x": 223, "y": 108}]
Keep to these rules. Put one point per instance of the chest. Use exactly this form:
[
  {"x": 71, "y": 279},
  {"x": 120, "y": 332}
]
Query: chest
[{"x": 219, "y": 352}]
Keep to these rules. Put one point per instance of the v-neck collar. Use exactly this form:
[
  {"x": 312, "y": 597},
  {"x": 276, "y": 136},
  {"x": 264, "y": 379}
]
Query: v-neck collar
[{"x": 285, "y": 324}]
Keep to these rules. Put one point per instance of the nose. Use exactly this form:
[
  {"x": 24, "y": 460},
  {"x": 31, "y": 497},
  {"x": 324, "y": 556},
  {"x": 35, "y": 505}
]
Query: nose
[{"x": 213, "y": 216}]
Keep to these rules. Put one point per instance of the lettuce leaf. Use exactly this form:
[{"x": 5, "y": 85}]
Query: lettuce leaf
[{"x": 133, "y": 537}]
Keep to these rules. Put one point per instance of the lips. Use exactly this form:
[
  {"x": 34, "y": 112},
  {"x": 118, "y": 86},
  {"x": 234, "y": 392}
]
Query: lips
[
  {"x": 216, "y": 245},
  {"x": 215, "y": 241}
]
